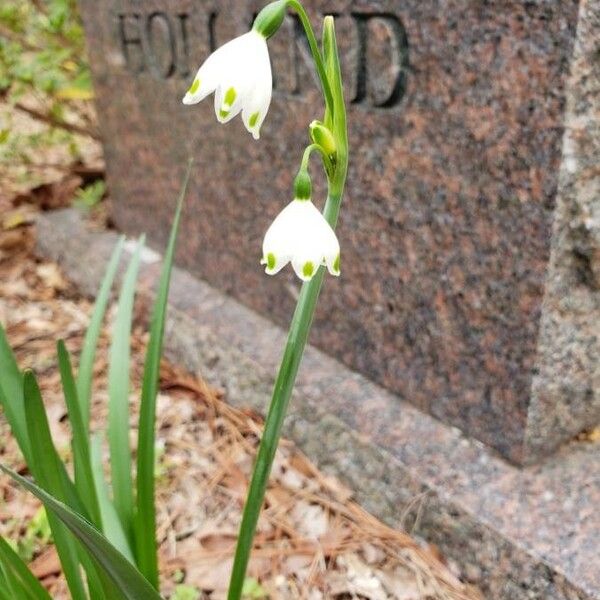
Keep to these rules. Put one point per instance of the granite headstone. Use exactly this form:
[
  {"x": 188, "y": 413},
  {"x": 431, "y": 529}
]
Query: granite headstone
[{"x": 455, "y": 293}]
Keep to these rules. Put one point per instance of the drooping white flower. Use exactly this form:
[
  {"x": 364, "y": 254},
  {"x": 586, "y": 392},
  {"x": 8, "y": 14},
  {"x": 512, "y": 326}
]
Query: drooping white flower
[
  {"x": 301, "y": 235},
  {"x": 240, "y": 75}
]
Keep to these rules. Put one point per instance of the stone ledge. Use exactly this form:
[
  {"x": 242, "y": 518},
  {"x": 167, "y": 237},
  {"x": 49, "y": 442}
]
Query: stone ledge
[{"x": 528, "y": 533}]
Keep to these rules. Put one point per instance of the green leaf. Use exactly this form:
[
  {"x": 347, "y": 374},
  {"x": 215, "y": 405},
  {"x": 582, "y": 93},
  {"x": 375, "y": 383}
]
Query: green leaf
[
  {"x": 84, "y": 479},
  {"x": 126, "y": 578},
  {"x": 118, "y": 391},
  {"x": 21, "y": 581},
  {"x": 11, "y": 395},
  {"x": 88, "y": 353},
  {"x": 145, "y": 521},
  {"x": 111, "y": 524},
  {"x": 5, "y": 591},
  {"x": 47, "y": 469}
]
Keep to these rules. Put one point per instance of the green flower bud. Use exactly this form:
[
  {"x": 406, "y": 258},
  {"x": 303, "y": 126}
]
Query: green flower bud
[
  {"x": 322, "y": 136},
  {"x": 302, "y": 185},
  {"x": 270, "y": 18}
]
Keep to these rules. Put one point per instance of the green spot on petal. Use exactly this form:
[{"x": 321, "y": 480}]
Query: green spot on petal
[
  {"x": 308, "y": 269},
  {"x": 271, "y": 261},
  {"x": 194, "y": 87},
  {"x": 223, "y": 113},
  {"x": 336, "y": 264},
  {"x": 230, "y": 96},
  {"x": 253, "y": 120}
]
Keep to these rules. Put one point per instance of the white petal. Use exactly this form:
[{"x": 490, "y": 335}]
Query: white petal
[
  {"x": 279, "y": 237},
  {"x": 241, "y": 65},
  {"x": 201, "y": 87},
  {"x": 274, "y": 263},
  {"x": 332, "y": 261},
  {"x": 306, "y": 265},
  {"x": 207, "y": 77},
  {"x": 301, "y": 234},
  {"x": 259, "y": 97},
  {"x": 224, "y": 110}
]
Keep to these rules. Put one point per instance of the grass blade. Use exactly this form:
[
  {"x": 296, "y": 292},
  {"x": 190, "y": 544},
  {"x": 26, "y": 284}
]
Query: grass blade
[
  {"x": 11, "y": 395},
  {"x": 111, "y": 524},
  {"x": 46, "y": 468},
  {"x": 123, "y": 574},
  {"x": 88, "y": 352},
  {"x": 90, "y": 343},
  {"x": 118, "y": 391},
  {"x": 145, "y": 520},
  {"x": 84, "y": 479},
  {"x": 18, "y": 578}
]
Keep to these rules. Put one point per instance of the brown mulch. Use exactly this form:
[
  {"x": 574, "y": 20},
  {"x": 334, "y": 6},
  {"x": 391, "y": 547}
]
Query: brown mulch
[{"x": 313, "y": 541}]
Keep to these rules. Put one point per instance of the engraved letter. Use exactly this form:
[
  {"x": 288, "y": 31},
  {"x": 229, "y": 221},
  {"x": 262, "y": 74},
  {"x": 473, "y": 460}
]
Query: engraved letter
[
  {"x": 212, "y": 38},
  {"x": 162, "y": 50},
  {"x": 131, "y": 39},
  {"x": 183, "y": 56},
  {"x": 399, "y": 59}
]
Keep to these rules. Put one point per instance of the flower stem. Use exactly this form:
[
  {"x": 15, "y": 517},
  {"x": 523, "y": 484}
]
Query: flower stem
[
  {"x": 282, "y": 392},
  {"x": 316, "y": 53},
  {"x": 326, "y": 160},
  {"x": 305, "y": 309}
]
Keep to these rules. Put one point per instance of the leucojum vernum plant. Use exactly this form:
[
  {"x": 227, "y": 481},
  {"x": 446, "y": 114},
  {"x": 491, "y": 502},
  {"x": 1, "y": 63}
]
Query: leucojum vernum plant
[{"x": 105, "y": 529}]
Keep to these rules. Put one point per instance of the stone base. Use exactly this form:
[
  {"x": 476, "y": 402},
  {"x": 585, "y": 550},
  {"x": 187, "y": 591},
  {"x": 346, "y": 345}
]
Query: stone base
[{"x": 516, "y": 532}]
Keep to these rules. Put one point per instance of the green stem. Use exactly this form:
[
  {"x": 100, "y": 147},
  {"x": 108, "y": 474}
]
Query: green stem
[
  {"x": 316, "y": 53},
  {"x": 326, "y": 161},
  {"x": 284, "y": 385},
  {"x": 303, "y": 315}
]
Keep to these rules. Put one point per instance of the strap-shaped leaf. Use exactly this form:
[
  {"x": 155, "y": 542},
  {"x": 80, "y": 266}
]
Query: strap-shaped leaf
[
  {"x": 48, "y": 471},
  {"x": 127, "y": 579},
  {"x": 111, "y": 525},
  {"x": 84, "y": 479},
  {"x": 4, "y": 590},
  {"x": 118, "y": 391},
  {"x": 88, "y": 352},
  {"x": 11, "y": 395},
  {"x": 145, "y": 520},
  {"x": 17, "y": 577}
]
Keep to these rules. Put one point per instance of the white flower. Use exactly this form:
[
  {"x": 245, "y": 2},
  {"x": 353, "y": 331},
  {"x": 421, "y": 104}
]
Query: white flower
[
  {"x": 301, "y": 234},
  {"x": 240, "y": 75}
]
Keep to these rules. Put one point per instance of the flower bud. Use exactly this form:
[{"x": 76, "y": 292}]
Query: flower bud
[
  {"x": 270, "y": 18},
  {"x": 322, "y": 136},
  {"x": 302, "y": 185}
]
